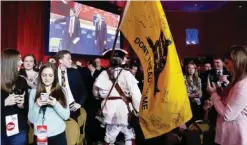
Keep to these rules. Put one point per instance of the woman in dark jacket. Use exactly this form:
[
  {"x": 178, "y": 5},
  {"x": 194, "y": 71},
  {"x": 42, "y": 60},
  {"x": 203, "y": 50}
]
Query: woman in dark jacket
[{"x": 14, "y": 102}]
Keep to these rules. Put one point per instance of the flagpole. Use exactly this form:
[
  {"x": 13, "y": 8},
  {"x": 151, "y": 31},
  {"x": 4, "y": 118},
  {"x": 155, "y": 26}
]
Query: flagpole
[
  {"x": 118, "y": 28},
  {"x": 114, "y": 43}
]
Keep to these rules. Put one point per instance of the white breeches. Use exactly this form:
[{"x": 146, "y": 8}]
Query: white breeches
[{"x": 112, "y": 132}]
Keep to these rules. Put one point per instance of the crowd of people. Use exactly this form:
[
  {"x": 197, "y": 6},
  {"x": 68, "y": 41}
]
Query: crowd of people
[{"x": 47, "y": 95}]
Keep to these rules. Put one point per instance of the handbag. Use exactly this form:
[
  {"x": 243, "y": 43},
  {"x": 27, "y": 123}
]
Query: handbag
[{"x": 99, "y": 115}]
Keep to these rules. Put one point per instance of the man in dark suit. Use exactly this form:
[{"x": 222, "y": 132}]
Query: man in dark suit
[
  {"x": 100, "y": 33},
  {"x": 204, "y": 79},
  {"x": 70, "y": 80},
  {"x": 219, "y": 75},
  {"x": 98, "y": 64},
  {"x": 93, "y": 130},
  {"x": 71, "y": 30},
  {"x": 91, "y": 65},
  {"x": 135, "y": 70}
]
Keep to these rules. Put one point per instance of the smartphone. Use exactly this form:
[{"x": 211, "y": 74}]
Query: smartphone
[
  {"x": 18, "y": 91},
  {"x": 44, "y": 96},
  {"x": 19, "y": 98},
  {"x": 71, "y": 105}
]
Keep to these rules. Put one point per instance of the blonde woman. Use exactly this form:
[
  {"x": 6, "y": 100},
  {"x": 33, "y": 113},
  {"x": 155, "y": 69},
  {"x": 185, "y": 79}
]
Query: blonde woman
[{"x": 194, "y": 90}]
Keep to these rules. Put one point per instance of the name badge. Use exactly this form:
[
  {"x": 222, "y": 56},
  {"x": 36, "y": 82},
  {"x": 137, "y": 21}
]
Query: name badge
[
  {"x": 12, "y": 126},
  {"x": 42, "y": 138}
]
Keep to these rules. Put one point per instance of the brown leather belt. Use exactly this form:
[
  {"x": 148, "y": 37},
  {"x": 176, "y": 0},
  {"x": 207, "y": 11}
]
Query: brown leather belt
[
  {"x": 117, "y": 98},
  {"x": 114, "y": 98}
]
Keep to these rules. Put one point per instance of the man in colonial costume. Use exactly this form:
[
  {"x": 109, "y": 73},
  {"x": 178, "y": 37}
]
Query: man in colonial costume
[{"x": 115, "y": 110}]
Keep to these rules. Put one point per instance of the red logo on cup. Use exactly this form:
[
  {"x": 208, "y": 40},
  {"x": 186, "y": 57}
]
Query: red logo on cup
[{"x": 10, "y": 126}]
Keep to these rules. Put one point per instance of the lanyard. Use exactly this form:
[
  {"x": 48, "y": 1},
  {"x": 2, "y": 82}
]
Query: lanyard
[{"x": 43, "y": 109}]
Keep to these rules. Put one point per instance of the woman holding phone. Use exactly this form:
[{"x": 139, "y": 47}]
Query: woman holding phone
[
  {"x": 231, "y": 127},
  {"x": 14, "y": 103},
  {"x": 48, "y": 108}
]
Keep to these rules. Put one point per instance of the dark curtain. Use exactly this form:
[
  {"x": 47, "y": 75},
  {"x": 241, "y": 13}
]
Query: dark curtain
[
  {"x": 8, "y": 24},
  {"x": 23, "y": 27},
  {"x": 30, "y": 23}
]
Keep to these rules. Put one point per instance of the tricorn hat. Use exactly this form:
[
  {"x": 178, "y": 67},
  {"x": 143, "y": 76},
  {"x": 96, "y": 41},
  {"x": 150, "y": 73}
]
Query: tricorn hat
[{"x": 117, "y": 53}]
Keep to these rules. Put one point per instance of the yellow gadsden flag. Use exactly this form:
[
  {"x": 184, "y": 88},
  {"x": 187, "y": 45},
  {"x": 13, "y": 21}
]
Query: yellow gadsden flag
[{"x": 165, "y": 104}]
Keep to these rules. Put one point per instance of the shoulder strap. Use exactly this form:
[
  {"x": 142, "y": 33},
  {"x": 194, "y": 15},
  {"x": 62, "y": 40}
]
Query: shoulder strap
[
  {"x": 125, "y": 99},
  {"x": 113, "y": 84}
]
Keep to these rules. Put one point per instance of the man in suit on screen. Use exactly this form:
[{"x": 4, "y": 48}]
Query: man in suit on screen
[
  {"x": 100, "y": 33},
  {"x": 71, "y": 30}
]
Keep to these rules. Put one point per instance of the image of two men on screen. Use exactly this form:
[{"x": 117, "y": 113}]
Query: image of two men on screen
[{"x": 72, "y": 38}]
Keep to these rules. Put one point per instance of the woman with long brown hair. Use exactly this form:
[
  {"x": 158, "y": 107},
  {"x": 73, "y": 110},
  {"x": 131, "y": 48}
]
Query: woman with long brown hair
[
  {"x": 194, "y": 90},
  {"x": 14, "y": 104},
  {"x": 48, "y": 107},
  {"x": 231, "y": 127}
]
